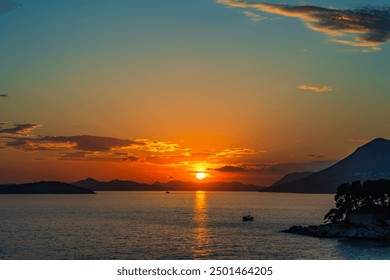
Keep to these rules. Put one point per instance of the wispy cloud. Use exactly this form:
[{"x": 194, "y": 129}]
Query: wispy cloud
[
  {"x": 237, "y": 152},
  {"x": 315, "y": 88},
  {"x": 253, "y": 16},
  {"x": 7, "y": 6},
  {"x": 365, "y": 27},
  {"x": 159, "y": 146},
  {"x": 359, "y": 140}
]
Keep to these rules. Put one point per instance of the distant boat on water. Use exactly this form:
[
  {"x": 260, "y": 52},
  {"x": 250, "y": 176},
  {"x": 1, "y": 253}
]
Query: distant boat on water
[
  {"x": 167, "y": 192},
  {"x": 247, "y": 218}
]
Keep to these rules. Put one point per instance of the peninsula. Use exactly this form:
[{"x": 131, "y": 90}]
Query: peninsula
[{"x": 362, "y": 212}]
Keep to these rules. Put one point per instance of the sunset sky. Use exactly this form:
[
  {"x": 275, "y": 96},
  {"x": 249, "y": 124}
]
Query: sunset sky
[{"x": 158, "y": 90}]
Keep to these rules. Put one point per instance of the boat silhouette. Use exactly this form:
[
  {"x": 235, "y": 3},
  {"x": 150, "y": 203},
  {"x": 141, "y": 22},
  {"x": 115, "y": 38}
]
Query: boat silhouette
[{"x": 247, "y": 218}]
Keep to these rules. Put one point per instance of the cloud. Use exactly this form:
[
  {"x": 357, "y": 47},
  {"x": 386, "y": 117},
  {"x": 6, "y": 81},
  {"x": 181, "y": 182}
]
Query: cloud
[
  {"x": 130, "y": 158},
  {"x": 82, "y": 143},
  {"x": 230, "y": 168},
  {"x": 316, "y": 156},
  {"x": 355, "y": 140},
  {"x": 102, "y": 148},
  {"x": 17, "y": 129},
  {"x": 316, "y": 88},
  {"x": 237, "y": 152},
  {"x": 253, "y": 16},
  {"x": 3, "y": 95},
  {"x": 91, "y": 147},
  {"x": 365, "y": 27},
  {"x": 7, "y": 6},
  {"x": 159, "y": 146},
  {"x": 75, "y": 155}
]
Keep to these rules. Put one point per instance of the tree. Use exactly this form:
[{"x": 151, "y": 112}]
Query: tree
[{"x": 369, "y": 196}]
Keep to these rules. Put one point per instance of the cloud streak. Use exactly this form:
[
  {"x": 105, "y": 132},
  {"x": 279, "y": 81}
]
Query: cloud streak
[
  {"x": 237, "y": 152},
  {"x": 316, "y": 88},
  {"x": 253, "y": 16},
  {"x": 365, "y": 27},
  {"x": 3, "y": 95}
]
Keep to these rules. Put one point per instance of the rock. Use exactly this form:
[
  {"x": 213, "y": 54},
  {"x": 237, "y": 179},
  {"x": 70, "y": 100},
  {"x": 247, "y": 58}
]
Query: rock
[{"x": 342, "y": 230}]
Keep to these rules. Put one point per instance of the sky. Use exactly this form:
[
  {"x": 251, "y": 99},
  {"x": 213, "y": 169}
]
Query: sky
[{"x": 159, "y": 90}]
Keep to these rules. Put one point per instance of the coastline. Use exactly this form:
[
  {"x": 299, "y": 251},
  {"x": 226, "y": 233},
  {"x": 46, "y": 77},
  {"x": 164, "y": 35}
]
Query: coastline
[{"x": 343, "y": 230}]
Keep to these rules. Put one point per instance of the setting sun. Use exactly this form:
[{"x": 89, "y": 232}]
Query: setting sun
[{"x": 200, "y": 175}]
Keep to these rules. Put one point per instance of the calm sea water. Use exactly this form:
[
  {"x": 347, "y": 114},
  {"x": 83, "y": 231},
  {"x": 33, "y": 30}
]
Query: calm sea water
[{"x": 180, "y": 225}]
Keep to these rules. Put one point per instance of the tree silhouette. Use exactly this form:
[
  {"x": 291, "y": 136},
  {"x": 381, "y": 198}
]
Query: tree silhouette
[{"x": 371, "y": 196}]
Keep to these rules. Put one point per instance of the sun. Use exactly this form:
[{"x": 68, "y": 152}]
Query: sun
[{"x": 200, "y": 175}]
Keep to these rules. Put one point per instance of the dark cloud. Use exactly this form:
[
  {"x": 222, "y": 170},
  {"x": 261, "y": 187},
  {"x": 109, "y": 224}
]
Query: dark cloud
[
  {"x": 82, "y": 143},
  {"x": 17, "y": 129},
  {"x": 7, "y": 6},
  {"x": 130, "y": 158},
  {"x": 230, "y": 168},
  {"x": 90, "y": 142},
  {"x": 367, "y": 27},
  {"x": 3, "y": 95}
]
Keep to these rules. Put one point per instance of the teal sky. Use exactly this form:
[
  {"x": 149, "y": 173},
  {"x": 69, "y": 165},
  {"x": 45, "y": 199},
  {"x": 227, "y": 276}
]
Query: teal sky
[{"x": 264, "y": 88}]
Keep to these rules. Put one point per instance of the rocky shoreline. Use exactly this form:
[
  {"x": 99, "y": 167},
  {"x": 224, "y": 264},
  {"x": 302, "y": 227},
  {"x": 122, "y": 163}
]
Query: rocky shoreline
[{"x": 343, "y": 230}]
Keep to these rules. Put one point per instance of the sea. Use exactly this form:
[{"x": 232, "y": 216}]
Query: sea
[{"x": 178, "y": 225}]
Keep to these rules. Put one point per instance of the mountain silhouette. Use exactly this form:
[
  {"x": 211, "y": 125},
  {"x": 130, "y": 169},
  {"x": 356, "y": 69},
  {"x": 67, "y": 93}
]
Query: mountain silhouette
[
  {"x": 44, "y": 187},
  {"x": 209, "y": 186},
  {"x": 369, "y": 162},
  {"x": 119, "y": 185},
  {"x": 292, "y": 177}
]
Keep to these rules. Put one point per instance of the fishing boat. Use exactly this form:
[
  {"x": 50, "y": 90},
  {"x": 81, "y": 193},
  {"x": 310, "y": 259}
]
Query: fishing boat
[{"x": 247, "y": 218}]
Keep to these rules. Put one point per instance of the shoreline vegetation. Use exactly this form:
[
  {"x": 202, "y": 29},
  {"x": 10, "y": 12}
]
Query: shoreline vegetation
[{"x": 362, "y": 212}]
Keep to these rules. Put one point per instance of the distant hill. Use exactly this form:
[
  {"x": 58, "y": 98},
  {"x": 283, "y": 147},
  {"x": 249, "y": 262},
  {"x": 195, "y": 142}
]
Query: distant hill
[
  {"x": 209, "y": 186},
  {"x": 291, "y": 178},
  {"x": 114, "y": 185},
  {"x": 369, "y": 162},
  {"x": 44, "y": 187},
  {"x": 119, "y": 185}
]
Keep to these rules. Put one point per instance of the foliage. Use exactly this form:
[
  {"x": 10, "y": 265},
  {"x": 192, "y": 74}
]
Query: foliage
[{"x": 367, "y": 197}]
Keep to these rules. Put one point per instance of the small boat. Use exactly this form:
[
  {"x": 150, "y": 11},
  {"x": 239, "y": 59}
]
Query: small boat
[
  {"x": 247, "y": 218},
  {"x": 167, "y": 192}
]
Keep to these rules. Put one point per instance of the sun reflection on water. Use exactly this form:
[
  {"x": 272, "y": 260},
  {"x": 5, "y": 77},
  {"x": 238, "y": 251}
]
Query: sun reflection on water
[{"x": 201, "y": 246}]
